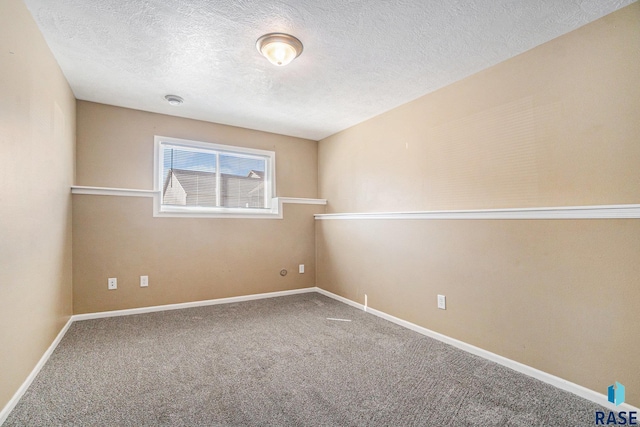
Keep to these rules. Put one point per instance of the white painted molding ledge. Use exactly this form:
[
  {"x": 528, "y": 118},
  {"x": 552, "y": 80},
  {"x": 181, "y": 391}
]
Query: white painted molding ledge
[
  {"x": 564, "y": 212},
  {"x": 300, "y": 201},
  {"x": 106, "y": 191},
  {"x": 129, "y": 192},
  {"x": 276, "y": 211}
]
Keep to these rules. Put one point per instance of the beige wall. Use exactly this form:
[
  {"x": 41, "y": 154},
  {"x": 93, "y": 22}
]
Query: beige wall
[
  {"x": 186, "y": 259},
  {"x": 558, "y": 125},
  {"x": 115, "y": 148},
  {"x": 37, "y": 132},
  {"x": 555, "y": 126}
]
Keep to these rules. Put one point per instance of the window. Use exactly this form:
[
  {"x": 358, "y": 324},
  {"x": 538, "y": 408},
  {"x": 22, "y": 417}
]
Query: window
[{"x": 199, "y": 178}]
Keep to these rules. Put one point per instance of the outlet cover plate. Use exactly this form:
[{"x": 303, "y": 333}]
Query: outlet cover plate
[
  {"x": 112, "y": 283},
  {"x": 144, "y": 281},
  {"x": 442, "y": 302}
]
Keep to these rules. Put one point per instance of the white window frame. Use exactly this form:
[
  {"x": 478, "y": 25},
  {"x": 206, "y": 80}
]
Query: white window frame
[{"x": 269, "y": 211}]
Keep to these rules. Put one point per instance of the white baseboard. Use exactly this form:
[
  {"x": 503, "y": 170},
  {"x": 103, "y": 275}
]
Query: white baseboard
[
  {"x": 341, "y": 299},
  {"x": 179, "y": 306},
  {"x": 4, "y": 414},
  {"x": 553, "y": 380}
]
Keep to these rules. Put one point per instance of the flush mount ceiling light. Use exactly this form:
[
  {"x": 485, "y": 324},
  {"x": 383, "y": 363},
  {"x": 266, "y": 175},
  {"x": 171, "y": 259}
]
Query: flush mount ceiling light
[
  {"x": 174, "y": 99},
  {"x": 279, "y": 48}
]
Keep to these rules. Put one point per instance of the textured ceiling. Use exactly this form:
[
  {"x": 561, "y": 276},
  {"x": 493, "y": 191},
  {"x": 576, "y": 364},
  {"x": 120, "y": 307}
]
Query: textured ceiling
[{"x": 361, "y": 57}]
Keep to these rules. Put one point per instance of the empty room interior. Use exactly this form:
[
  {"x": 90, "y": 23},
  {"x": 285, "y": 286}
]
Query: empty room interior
[{"x": 421, "y": 178}]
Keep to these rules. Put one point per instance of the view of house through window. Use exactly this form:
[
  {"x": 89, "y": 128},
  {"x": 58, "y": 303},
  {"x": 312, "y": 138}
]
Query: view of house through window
[{"x": 201, "y": 177}]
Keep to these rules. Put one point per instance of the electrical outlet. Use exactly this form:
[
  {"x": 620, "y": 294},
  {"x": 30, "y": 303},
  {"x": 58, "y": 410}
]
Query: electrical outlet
[
  {"x": 112, "y": 283},
  {"x": 144, "y": 281},
  {"x": 442, "y": 302},
  {"x": 301, "y": 268}
]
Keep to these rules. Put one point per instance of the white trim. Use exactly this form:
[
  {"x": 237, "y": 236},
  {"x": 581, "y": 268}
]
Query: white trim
[
  {"x": 562, "y": 212},
  {"x": 341, "y": 299},
  {"x": 179, "y": 306},
  {"x": 209, "y": 147},
  {"x": 204, "y": 146},
  {"x": 196, "y": 212},
  {"x": 4, "y": 414},
  {"x": 279, "y": 201},
  {"x": 105, "y": 191},
  {"x": 276, "y": 211},
  {"x": 553, "y": 380},
  {"x": 300, "y": 201}
]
